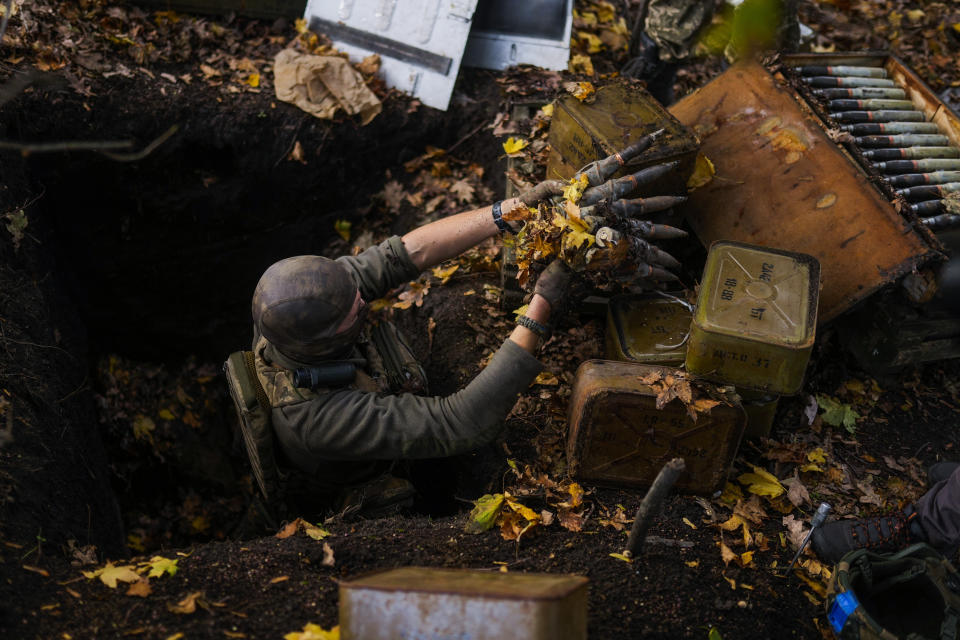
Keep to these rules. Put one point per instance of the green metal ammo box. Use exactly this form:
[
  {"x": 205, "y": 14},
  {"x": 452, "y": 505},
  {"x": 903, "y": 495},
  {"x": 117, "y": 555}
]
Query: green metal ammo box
[
  {"x": 756, "y": 318},
  {"x": 619, "y": 114}
]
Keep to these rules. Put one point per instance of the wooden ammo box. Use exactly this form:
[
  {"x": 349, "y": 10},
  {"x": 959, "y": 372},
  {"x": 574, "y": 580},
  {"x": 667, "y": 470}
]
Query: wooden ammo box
[
  {"x": 617, "y": 436},
  {"x": 755, "y": 321},
  {"x": 782, "y": 181},
  {"x": 619, "y": 114},
  {"x": 416, "y": 602},
  {"x": 647, "y": 329}
]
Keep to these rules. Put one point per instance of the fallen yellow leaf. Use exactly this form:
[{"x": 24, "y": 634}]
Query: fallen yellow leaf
[
  {"x": 703, "y": 172},
  {"x": 514, "y": 145},
  {"x": 314, "y": 632},
  {"x": 762, "y": 483},
  {"x": 111, "y": 574},
  {"x": 342, "y": 227},
  {"x": 253, "y": 80}
]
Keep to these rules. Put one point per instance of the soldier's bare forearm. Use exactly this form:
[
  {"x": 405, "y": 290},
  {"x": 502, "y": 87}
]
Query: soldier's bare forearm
[{"x": 447, "y": 238}]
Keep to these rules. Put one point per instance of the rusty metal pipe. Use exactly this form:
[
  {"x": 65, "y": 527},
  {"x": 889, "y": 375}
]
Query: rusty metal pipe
[
  {"x": 904, "y": 140},
  {"x": 599, "y": 171},
  {"x": 862, "y": 92},
  {"x": 913, "y": 166},
  {"x": 829, "y": 82},
  {"x": 843, "y": 71},
  {"x": 871, "y": 104},
  {"x": 912, "y": 153},
  {"x": 876, "y": 128},
  {"x": 916, "y": 179},
  {"x": 878, "y": 116},
  {"x": 615, "y": 189}
]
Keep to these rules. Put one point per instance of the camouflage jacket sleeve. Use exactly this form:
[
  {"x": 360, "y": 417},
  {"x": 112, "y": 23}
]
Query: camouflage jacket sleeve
[
  {"x": 356, "y": 425},
  {"x": 381, "y": 268}
]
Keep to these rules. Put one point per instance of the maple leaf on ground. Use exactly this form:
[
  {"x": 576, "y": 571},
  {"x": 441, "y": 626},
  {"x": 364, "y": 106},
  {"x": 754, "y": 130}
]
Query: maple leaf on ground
[
  {"x": 463, "y": 190},
  {"x": 393, "y": 195},
  {"x": 413, "y": 295},
  {"x": 110, "y": 574},
  {"x": 484, "y": 514},
  {"x": 513, "y": 146},
  {"x": 158, "y": 566},
  {"x": 444, "y": 274}
]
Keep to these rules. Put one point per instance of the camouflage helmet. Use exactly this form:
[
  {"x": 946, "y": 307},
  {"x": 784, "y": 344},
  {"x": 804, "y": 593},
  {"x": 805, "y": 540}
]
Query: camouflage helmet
[{"x": 299, "y": 303}]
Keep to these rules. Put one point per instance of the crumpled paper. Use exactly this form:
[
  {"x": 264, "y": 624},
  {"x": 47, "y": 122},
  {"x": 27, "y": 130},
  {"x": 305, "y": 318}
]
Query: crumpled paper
[{"x": 322, "y": 84}]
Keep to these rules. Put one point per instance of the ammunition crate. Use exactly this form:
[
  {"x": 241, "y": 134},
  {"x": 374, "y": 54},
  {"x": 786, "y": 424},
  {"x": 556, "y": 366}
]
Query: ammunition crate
[
  {"x": 755, "y": 321},
  {"x": 617, "y": 436},
  {"x": 782, "y": 181},
  {"x": 416, "y": 602},
  {"x": 619, "y": 114},
  {"x": 647, "y": 329}
]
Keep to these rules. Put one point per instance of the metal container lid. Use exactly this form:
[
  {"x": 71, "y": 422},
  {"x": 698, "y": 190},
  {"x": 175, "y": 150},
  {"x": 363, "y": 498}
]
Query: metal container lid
[
  {"x": 471, "y": 583},
  {"x": 650, "y": 329},
  {"x": 759, "y": 293}
]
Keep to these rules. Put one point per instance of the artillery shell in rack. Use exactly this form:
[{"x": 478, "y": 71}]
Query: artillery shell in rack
[
  {"x": 876, "y": 128},
  {"x": 939, "y": 222},
  {"x": 928, "y": 208},
  {"x": 878, "y": 116},
  {"x": 871, "y": 104},
  {"x": 912, "y": 153},
  {"x": 913, "y": 166},
  {"x": 843, "y": 70},
  {"x": 862, "y": 92},
  {"x": 829, "y": 82},
  {"x": 905, "y": 140},
  {"x": 929, "y": 191},
  {"x": 916, "y": 179}
]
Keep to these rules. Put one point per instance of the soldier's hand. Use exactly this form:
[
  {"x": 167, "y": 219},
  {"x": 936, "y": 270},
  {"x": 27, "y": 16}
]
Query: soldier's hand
[{"x": 553, "y": 283}]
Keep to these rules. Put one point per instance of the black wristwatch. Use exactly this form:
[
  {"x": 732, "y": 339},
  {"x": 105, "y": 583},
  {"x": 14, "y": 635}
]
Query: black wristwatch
[{"x": 498, "y": 218}]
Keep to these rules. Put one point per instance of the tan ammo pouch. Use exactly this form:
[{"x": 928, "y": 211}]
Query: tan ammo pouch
[{"x": 253, "y": 409}]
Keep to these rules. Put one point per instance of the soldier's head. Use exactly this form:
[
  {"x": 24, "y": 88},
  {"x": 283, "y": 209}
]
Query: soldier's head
[{"x": 308, "y": 308}]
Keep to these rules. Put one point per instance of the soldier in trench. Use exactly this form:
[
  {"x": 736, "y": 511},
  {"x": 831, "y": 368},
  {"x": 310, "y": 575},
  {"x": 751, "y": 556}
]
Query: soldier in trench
[{"x": 343, "y": 397}]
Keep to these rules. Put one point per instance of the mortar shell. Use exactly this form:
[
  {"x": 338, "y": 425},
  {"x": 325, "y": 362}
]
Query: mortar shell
[
  {"x": 876, "y": 128},
  {"x": 843, "y": 71},
  {"x": 862, "y": 92},
  {"x": 915, "y": 179},
  {"x": 930, "y": 191},
  {"x": 914, "y": 153},
  {"x": 829, "y": 82},
  {"x": 928, "y": 208},
  {"x": 871, "y": 104},
  {"x": 941, "y": 221},
  {"x": 878, "y": 116},
  {"x": 905, "y": 140},
  {"x": 910, "y": 166}
]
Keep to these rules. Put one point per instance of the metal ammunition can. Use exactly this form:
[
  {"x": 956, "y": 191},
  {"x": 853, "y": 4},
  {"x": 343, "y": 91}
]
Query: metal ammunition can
[
  {"x": 617, "y": 436},
  {"x": 417, "y": 602},
  {"x": 651, "y": 330},
  {"x": 581, "y": 132},
  {"x": 761, "y": 409},
  {"x": 756, "y": 316}
]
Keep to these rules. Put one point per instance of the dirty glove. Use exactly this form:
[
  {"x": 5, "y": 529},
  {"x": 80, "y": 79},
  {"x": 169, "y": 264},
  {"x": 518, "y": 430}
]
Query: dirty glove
[{"x": 553, "y": 282}]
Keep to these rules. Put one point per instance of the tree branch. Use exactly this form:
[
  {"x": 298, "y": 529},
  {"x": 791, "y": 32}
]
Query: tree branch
[{"x": 651, "y": 504}]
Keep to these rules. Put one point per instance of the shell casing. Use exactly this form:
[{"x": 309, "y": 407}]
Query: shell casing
[
  {"x": 929, "y": 191},
  {"x": 928, "y": 208},
  {"x": 878, "y": 116},
  {"x": 829, "y": 82},
  {"x": 905, "y": 140},
  {"x": 912, "y": 166},
  {"x": 862, "y": 92},
  {"x": 942, "y": 221},
  {"x": 911, "y": 153},
  {"x": 876, "y": 128},
  {"x": 843, "y": 70},
  {"x": 916, "y": 179},
  {"x": 871, "y": 104}
]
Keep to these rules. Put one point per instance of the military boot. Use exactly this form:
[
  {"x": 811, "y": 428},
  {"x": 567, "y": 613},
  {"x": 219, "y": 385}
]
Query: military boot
[
  {"x": 380, "y": 498},
  {"x": 880, "y": 534}
]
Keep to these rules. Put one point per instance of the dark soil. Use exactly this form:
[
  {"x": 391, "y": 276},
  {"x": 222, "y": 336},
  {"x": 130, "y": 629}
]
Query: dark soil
[{"x": 131, "y": 284}]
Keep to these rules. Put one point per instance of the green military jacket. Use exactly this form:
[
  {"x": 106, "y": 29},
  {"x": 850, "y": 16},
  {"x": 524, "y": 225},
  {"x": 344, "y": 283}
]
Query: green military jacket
[{"x": 318, "y": 431}]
